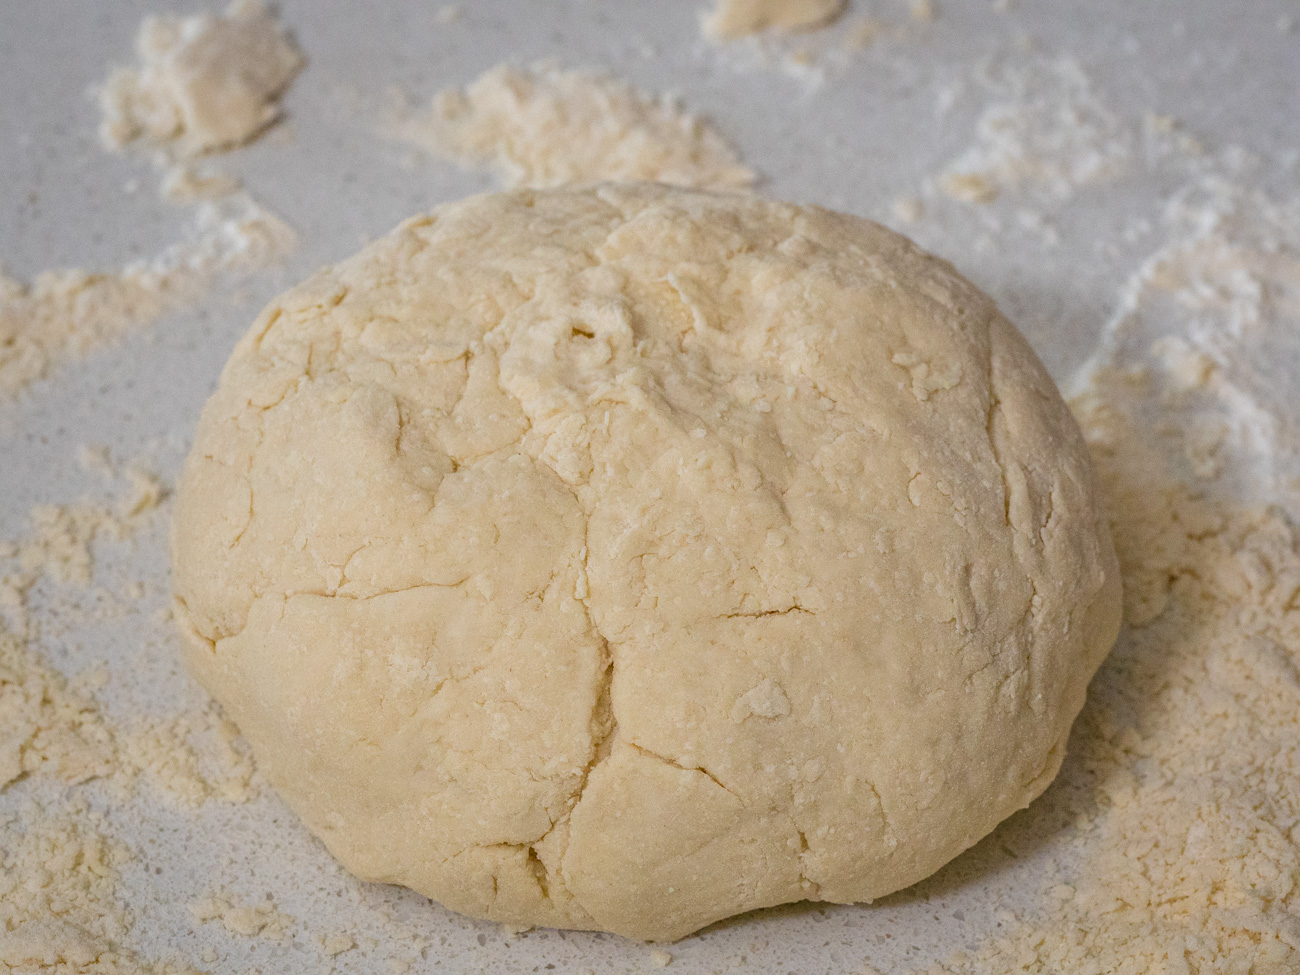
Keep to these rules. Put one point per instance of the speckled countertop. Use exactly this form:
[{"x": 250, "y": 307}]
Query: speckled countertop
[{"x": 1102, "y": 123}]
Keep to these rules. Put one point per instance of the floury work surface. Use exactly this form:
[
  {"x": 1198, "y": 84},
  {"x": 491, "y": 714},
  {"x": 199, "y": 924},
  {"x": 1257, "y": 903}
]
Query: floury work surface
[{"x": 1122, "y": 180}]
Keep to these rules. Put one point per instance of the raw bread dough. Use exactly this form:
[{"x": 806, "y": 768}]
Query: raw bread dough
[{"x": 630, "y": 557}]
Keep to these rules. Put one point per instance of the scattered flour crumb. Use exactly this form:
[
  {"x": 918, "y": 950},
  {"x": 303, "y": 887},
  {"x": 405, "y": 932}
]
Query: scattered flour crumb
[
  {"x": 147, "y": 491},
  {"x": 204, "y": 83},
  {"x": 730, "y": 19},
  {"x": 191, "y": 758},
  {"x": 57, "y": 546},
  {"x": 545, "y": 126},
  {"x": 1045, "y": 130},
  {"x": 188, "y": 183},
  {"x": 48, "y": 725},
  {"x": 660, "y": 958},
  {"x": 968, "y": 187},
  {"x": 260, "y": 919},
  {"x": 909, "y": 209},
  {"x": 61, "y": 911},
  {"x": 52, "y": 726},
  {"x": 95, "y": 459},
  {"x": 336, "y": 944},
  {"x": 58, "y": 542},
  {"x": 1212, "y": 317},
  {"x": 803, "y": 57},
  {"x": 62, "y": 315}
]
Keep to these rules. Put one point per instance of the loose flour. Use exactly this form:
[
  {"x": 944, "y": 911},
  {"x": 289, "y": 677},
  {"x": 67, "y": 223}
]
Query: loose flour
[
  {"x": 544, "y": 126},
  {"x": 62, "y": 315},
  {"x": 1044, "y": 130}
]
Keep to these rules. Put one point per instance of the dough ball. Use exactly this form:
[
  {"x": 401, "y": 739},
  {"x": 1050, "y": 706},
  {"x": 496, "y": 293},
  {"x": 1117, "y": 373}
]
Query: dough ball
[{"x": 629, "y": 557}]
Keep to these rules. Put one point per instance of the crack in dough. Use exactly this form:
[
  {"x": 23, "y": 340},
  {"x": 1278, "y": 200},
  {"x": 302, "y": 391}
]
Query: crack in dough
[{"x": 601, "y": 545}]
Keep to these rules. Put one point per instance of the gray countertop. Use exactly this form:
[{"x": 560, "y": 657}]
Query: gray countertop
[{"x": 1071, "y": 101}]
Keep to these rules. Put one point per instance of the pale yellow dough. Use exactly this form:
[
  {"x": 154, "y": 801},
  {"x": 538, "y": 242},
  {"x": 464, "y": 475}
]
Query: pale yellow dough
[{"x": 630, "y": 557}]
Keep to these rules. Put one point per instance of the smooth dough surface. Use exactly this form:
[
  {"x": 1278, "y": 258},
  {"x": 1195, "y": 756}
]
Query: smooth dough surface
[{"x": 631, "y": 557}]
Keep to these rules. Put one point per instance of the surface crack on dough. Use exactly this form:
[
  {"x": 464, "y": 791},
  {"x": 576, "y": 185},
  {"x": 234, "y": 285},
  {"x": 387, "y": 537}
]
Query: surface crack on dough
[
  {"x": 811, "y": 887},
  {"x": 684, "y": 768},
  {"x": 539, "y": 872},
  {"x": 884, "y": 813},
  {"x": 762, "y": 614},
  {"x": 603, "y": 721},
  {"x": 990, "y": 428}
]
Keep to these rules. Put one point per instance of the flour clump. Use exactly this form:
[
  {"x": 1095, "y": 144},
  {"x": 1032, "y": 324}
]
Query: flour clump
[
  {"x": 204, "y": 84},
  {"x": 629, "y": 557}
]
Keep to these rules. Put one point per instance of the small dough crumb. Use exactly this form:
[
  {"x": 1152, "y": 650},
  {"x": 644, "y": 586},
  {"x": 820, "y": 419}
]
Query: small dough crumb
[
  {"x": 968, "y": 187},
  {"x": 909, "y": 209},
  {"x": 660, "y": 958},
  {"x": 544, "y": 127},
  {"x": 336, "y": 944},
  {"x": 186, "y": 183},
  {"x": 191, "y": 758},
  {"x": 61, "y": 910},
  {"x": 765, "y": 700},
  {"x": 261, "y": 920},
  {"x": 48, "y": 725},
  {"x": 204, "y": 84},
  {"x": 731, "y": 19}
]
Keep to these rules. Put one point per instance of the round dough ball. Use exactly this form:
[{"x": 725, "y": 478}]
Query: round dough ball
[{"x": 627, "y": 557}]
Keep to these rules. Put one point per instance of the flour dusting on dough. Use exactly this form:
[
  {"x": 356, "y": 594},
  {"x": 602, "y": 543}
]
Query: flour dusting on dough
[
  {"x": 204, "y": 83},
  {"x": 544, "y": 126},
  {"x": 62, "y": 315},
  {"x": 730, "y": 19}
]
